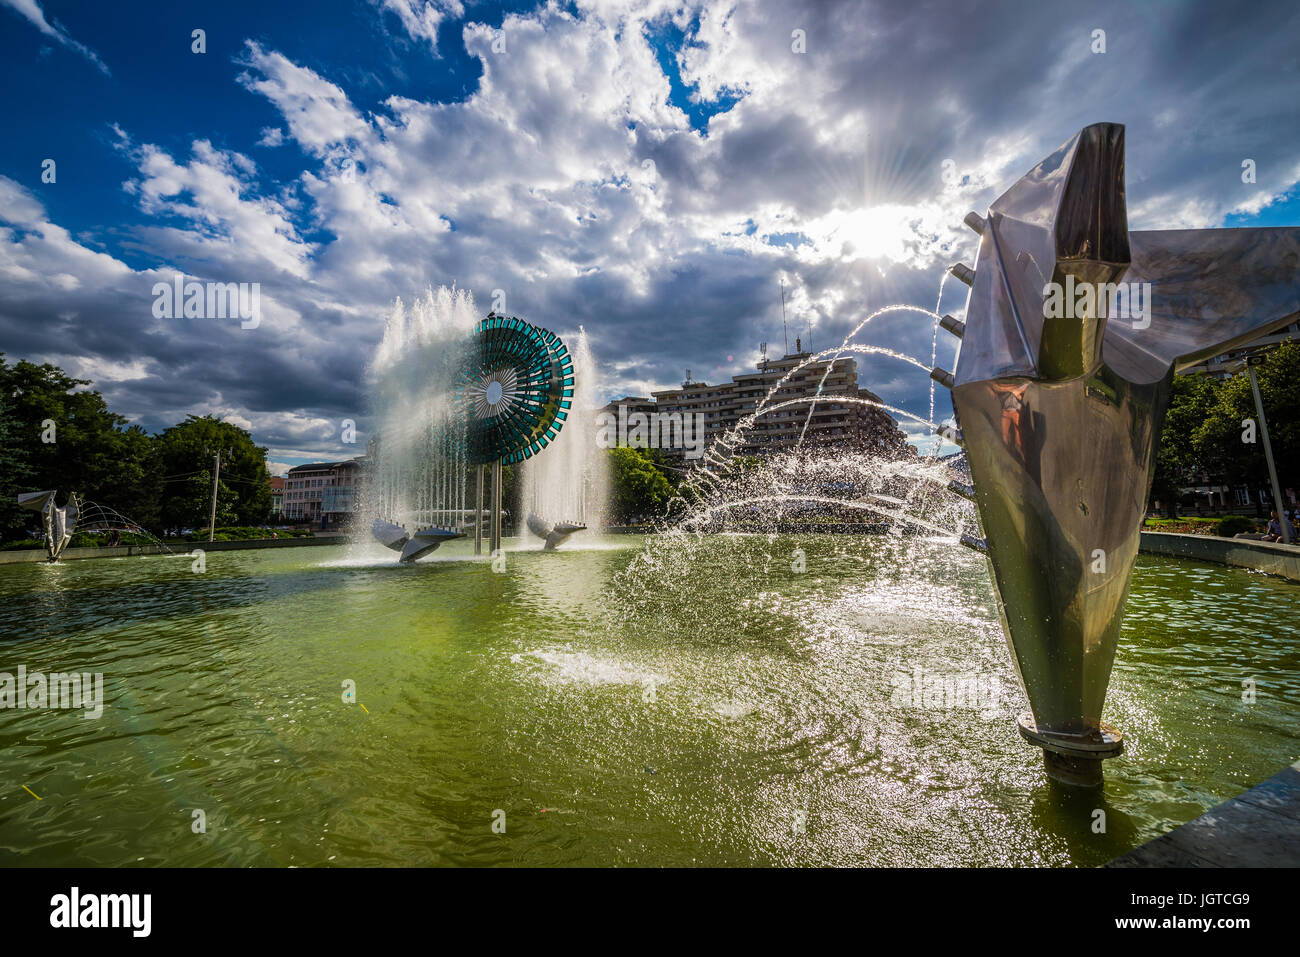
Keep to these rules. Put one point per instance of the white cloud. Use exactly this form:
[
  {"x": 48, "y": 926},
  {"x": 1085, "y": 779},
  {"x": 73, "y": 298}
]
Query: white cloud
[
  {"x": 318, "y": 113},
  {"x": 36, "y": 16},
  {"x": 568, "y": 180},
  {"x": 420, "y": 18},
  {"x": 227, "y": 221}
]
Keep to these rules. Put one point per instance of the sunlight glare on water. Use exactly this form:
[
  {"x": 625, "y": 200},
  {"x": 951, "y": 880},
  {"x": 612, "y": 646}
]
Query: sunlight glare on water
[{"x": 632, "y": 703}]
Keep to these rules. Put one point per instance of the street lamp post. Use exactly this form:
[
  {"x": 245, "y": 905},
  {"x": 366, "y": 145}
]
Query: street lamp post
[
  {"x": 216, "y": 477},
  {"x": 1282, "y": 523}
]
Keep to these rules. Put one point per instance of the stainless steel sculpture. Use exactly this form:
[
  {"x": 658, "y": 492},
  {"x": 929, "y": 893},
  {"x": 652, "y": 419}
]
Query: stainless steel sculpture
[
  {"x": 553, "y": 535},
  {"x": 414, "y": 546},
  {"x": 517, "y": 390},
  {"x": 57, "y": 523},
  {"x": 1060, "y": 416}
]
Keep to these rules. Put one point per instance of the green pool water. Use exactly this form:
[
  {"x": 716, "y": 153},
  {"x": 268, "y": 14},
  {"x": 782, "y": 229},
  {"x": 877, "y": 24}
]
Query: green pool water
[{"x": 625, "y": 701}]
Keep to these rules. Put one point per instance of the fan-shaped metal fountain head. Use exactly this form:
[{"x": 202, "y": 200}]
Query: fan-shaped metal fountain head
[{"x": 516, "y": 390}]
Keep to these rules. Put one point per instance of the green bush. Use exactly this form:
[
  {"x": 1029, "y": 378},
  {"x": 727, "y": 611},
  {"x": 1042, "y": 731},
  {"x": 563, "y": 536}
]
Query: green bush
[
  {"x": 1235, "y": 525},
  {"x": 80, "y": 540},
  {"x": 21, "y": 544},
  {"x": 100, "y": 539},
  {"x": 243, "y": 533}
]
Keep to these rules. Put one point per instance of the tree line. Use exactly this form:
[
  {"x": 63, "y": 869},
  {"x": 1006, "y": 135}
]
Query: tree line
[{"x": 55, "y": 433}]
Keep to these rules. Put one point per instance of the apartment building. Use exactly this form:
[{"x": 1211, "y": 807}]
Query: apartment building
[
  {"x": 277, "y": 495},
  {"x": 322, "y": 491},
  {"x": 852, "y": 425}
]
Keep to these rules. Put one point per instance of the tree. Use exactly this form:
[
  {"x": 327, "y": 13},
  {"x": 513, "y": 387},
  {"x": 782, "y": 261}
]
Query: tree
[
  {"x": 637, "y": 487},
  {"x": 186, "y": 450},
  {"x": 194, "y": 505},
  {"x": 140, "y": 482},
  {"x": 667, "y": 466},
  {"x": 15, "y": 473},
  {"x": 66, "y": 438},
  {"x": 1210, "y": 423},
  {"x": 1279, "y": 386},
  {"x": 1190, "y": 403}
]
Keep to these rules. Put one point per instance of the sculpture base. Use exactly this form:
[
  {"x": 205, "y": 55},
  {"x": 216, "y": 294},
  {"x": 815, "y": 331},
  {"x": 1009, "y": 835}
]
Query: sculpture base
[{"x": 1074, "y": 759}]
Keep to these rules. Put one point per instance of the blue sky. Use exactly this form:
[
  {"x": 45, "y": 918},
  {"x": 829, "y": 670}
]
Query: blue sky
[{"x": 650, "y": 171}]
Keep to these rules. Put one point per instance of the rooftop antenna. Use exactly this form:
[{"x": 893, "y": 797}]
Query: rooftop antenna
[
  {"x": 783, "y": 322},
  {"x": 762, "y": 347}
]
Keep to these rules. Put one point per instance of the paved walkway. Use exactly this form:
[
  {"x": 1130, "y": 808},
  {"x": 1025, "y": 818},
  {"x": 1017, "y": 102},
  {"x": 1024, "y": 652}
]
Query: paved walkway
[{"x": 1261, "y": 828}]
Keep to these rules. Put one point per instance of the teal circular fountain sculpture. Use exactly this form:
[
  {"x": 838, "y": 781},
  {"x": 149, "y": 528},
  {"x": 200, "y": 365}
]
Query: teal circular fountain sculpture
[{"x": 516, "y": 390}]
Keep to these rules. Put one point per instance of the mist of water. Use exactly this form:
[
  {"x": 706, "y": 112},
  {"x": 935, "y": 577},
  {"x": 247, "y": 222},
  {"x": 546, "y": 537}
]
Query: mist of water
[
  {"x": 569, "y": 481},
  {"x": 419, "y": 468},
  {"x": 867, "y": 487}
]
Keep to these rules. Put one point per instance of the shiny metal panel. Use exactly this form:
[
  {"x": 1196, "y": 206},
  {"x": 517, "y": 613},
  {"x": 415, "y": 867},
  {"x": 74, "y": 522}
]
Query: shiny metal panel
[{"x": 1060, "y": 417}]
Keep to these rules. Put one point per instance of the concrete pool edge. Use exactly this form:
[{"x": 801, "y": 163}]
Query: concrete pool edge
[
  {"x": 18, "y": 556},
  {"x": 1270, "y": 557},
  {"x": 1260, "y": 828}
]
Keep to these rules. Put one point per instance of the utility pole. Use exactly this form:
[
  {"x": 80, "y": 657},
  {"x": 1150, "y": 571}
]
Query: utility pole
[
  {"x": 1282, "y": 522},
  {"x": 216, "y": 473}
]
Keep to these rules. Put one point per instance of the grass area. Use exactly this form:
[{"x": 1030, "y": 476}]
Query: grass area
[
  {"x": 1204, "y": 525},
  {"x": 243, "y": 533}
]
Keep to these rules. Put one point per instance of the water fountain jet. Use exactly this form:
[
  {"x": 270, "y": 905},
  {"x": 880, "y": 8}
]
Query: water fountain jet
[
  {"x": 567, "y": 489},
  {"x": 419, "y": 467}
]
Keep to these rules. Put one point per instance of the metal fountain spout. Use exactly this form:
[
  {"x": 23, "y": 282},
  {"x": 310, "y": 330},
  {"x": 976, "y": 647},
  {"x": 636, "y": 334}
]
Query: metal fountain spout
[
  {"x": 57, "y": 524},
  {"x": 424, "y": 541},
  {"x": 553, "y": 535},
  {"x": 1073, "y": 332}
]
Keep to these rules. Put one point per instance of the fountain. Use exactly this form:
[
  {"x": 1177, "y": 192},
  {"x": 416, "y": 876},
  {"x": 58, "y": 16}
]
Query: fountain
[
  {"x": 1060, "y": 416},
  {"x": 1074, "y": 329},
  {"x": 418, "y": 463},
  {"x": 567, "y": 489},
  {"x": 57, "y": 523},
  {"x": 453, "y": 394},
  {"x": 516, "y": 392}
]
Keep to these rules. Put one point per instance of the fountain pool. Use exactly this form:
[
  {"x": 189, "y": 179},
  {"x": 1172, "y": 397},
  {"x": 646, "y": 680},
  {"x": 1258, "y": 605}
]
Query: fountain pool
[{"x": 725, "y": 710}]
